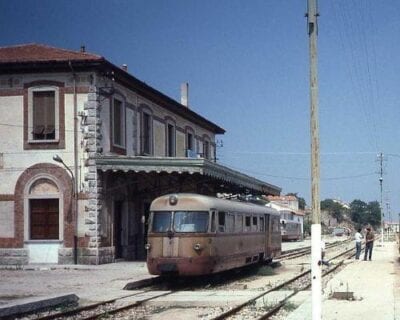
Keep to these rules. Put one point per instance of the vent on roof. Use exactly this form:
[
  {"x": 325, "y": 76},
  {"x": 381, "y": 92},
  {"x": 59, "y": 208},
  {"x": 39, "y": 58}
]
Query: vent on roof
[{"x": 125, "y": 67}]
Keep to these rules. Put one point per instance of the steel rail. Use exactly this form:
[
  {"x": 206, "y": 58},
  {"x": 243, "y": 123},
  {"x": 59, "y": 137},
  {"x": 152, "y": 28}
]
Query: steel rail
[{"x": 236, "y": 309}]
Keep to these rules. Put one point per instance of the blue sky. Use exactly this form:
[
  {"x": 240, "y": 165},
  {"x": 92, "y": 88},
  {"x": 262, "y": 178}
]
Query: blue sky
[{"x": 248, "y": 69}]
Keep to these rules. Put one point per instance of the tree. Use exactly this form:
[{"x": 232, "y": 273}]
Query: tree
[
  {"x": 363, "y": 213},
  {"x": 374, "y": 213},
  {"x": 357, "y": 211},
  {"x": 334, "y": 209}
]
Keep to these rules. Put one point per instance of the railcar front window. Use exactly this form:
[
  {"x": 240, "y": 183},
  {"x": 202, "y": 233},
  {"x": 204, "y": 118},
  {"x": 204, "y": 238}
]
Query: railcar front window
[
  {"x": 191, "y": 221},
  {"x": 161, "y": 221}
]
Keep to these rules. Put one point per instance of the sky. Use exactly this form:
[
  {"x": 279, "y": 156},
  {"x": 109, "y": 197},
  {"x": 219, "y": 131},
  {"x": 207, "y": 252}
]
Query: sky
[{"x": 247, "y": 65}]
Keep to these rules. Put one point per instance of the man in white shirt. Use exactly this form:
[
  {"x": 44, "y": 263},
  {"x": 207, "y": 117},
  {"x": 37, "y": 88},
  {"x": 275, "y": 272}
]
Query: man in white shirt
[{"x": 358, "y": 237}]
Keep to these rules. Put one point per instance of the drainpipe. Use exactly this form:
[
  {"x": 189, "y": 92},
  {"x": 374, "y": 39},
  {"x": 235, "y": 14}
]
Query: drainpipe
[{"x": 75, "y": 165}]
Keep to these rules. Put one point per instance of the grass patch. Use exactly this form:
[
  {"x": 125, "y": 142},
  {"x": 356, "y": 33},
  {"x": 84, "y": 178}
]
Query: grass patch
[
  {"x": 289, "y": 307},
  {"x": 265, "y": 271}
]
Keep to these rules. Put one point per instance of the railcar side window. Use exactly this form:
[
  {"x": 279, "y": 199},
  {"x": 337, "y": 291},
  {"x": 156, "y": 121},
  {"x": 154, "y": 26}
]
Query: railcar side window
[
  {"x": 191, "y": 221},
  {"x": 161, "y": 221},
  {"x": 255, "y": 226},
  {"x": 213, "y": 221},
  {"x": 261, "y": 224},
  {"x": 221, "y": 221},
  {"x": 247, "y": 223}
]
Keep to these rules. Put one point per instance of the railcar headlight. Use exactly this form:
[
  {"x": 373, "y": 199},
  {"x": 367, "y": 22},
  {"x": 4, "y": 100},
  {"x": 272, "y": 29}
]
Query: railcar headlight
[
  {"x": 197, "y": 247},
  {"x": 173, "y": 199},
  {"x": 147, "y": 246}
]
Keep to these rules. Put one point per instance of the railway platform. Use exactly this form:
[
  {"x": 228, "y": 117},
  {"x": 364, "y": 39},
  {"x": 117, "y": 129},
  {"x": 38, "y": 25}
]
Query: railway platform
[{"x": 362, "y": 290}]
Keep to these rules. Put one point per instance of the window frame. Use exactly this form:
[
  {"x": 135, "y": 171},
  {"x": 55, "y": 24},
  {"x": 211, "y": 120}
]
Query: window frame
[{"x": 44, "y": 85}]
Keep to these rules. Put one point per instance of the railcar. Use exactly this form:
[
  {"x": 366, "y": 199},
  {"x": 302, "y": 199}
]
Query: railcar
[
  {"x": 192, "y": 234},
  {"x": 290, "y": 230}
]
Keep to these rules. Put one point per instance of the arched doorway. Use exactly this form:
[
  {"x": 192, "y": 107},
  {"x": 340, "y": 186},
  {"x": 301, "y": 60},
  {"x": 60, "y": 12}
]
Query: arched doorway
[{"x": 43, "y": 219}]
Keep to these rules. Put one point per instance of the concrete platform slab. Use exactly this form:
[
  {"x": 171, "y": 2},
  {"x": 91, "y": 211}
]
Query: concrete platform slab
[
  {"x": 374, "y": 284},
  {"x": 21, "y": 306}
]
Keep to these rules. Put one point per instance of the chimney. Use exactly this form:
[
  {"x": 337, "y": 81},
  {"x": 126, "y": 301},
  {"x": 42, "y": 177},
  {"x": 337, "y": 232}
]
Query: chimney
[
  {"x": 125, "y": 67},
  {"x": 185, "y": 94},
  {"x": 83, "y": 49}
]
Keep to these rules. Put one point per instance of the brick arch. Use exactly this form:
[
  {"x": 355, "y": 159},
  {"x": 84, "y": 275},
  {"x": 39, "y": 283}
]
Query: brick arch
[{"x": 64, "y": 180}]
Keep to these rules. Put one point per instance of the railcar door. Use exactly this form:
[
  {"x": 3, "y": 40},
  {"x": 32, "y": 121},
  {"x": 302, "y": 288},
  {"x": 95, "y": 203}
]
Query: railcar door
[{"x": 267, "y": 233}]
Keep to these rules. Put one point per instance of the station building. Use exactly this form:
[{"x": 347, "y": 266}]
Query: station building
[{"x": 85, "y": 147}]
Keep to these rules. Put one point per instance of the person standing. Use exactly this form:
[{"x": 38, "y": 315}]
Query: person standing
[
  {"x": 369, "y": 244},
  {"x": 358, "y": 237},
  {"x": 323, "y": 261}
]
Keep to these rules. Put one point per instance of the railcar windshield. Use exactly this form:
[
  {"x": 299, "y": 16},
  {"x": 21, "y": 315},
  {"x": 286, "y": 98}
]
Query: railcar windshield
[
  {"x": 191, "y": 221},
  {"x": 161, "y": 221}
]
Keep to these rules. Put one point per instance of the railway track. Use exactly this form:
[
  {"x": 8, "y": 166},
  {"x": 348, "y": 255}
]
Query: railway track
[
  {"x": 134, "y": 300},
  {"x": 235, "y": 313}
]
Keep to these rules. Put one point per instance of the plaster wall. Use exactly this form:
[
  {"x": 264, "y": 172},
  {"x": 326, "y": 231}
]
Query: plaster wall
[{"x": 7, "y": 219}]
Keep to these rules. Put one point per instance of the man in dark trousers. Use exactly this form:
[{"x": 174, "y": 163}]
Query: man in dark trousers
[{"x": 369, "y": 243}]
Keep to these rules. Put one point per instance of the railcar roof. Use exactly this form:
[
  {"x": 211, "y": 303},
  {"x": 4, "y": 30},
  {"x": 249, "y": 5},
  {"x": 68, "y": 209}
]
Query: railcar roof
[{"x": 192, "y": 201}]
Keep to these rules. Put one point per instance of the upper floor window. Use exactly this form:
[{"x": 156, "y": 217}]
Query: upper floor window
[
  {"x": 44, "y": 115},
  {"x": 43, "y": 111},
  {"x": 190, "y": 145},
  {"x": 171, "y": 150},
  {"x": 118, "y": 123},
  {"x": 206, "y": 149},
  {"x": 146, "y": 133}
]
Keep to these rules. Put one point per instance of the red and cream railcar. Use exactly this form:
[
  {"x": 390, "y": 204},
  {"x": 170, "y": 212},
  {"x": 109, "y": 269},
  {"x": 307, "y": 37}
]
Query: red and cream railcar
[{"x": 192, "y": 234}]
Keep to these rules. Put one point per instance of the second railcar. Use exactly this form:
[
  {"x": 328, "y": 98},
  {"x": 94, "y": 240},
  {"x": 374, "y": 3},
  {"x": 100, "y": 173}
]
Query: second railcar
[
  {"x": 191, "y": 234},
  {"x": 290, "y": 230}
]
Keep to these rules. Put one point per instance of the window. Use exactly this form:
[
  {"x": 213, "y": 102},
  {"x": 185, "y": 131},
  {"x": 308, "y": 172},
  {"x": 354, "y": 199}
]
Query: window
[
  {"x": 191, "y": 221},
  {"x": 161, "y": 221},
  {"x": 255, "y": 224},
  {"x": 118, "y": 123},
  {"x": 213, "y": 221},
  {"x": 170, "y": 140},
  {"x": 43, "y": 110},
  {"x": 146, "y": 133},
  {"x": 190, "y": 149},
  {"x": 43, "y": 115},
  {"x": 248, "y": 221},
  {"x": 206, "y": 150},
  {"x": 44, "y": 219},
  {"x": 261, "y": 224},
  {"x": 221, "y": 221}
]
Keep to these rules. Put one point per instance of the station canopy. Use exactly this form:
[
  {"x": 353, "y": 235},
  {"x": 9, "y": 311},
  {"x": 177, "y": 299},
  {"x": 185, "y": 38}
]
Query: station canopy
[{"x": 186, "y": 166}]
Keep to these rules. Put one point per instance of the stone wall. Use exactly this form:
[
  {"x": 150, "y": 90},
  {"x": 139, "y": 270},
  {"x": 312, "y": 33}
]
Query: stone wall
[{"x": 14, "y": 257}]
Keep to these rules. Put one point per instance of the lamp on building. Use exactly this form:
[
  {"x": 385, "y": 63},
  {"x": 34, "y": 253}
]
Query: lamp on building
[{"x": 58, "y": 159}]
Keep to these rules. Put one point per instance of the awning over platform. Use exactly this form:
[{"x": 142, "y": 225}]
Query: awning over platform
[{"x": 184, "y": 165}]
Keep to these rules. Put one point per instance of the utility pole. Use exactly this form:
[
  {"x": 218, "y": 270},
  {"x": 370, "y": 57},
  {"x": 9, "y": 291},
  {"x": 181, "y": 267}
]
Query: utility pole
[
  {"x": 380, "y": 158},
  {"x": 316, "y": 286}
]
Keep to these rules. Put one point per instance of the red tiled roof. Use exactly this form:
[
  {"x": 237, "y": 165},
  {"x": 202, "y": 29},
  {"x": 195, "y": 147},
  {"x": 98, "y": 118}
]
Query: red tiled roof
[
  {"x": 281, "y": 198},
  {"x": 38, "y": 52}
]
